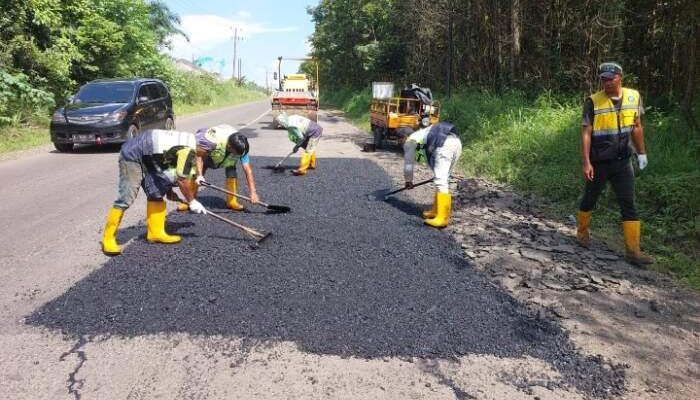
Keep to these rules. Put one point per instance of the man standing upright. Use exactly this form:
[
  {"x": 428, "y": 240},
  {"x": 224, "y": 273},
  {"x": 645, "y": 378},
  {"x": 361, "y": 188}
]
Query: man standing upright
[{"x": 611, "y": 124}]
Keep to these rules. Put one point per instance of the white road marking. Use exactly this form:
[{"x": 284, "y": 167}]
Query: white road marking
[{"x": 256, "y": 119}]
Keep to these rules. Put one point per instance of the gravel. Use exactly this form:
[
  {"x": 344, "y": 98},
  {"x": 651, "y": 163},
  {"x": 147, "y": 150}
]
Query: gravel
[{"x": 341, "y": 275}]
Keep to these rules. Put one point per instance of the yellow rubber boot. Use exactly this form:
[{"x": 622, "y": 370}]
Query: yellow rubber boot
[
  {"x": 109, "y": 240},
  {"x": 303, "y": 164},
  {"x": 155, "y": 222},
  {"x": 312, "y": 160},
  {"x": 443, "y": 209},
  {"x": 194, "y": 188},
  {"x": 428, "y": 214},
  {"x": 583, "y": 222},
  {"x": 633, "y": 253},
  {"x": 232, "y": 201}
]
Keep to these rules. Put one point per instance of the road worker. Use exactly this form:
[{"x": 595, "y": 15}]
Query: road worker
[
  {"x": 222, "y": 146},
  {"x": 611, "y": 124},
  {"x": 155, "y": 160},
  {"x": 442, "y": 148},
  {"x": 305, "y": 134}
]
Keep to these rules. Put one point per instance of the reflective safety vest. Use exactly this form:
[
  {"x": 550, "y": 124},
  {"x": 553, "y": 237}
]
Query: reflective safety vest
[
  {"x": 164, "y": 140},
  {"x": 296, "y": 128},
  {"x": 613, "y": 127},
  {"x": 219, "y": 135},
  {"x": 160, "y": 151}
]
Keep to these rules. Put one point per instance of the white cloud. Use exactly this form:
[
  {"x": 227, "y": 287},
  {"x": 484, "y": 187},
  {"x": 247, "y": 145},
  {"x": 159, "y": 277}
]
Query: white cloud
[
  {"x": 208, "y": 31},
  {"x": 244, "y": 14}
]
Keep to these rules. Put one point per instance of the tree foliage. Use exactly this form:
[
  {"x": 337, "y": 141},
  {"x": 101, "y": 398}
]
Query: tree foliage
[
  {"x": 55, "y": 45},
  {"x": 500, "y": 45}
]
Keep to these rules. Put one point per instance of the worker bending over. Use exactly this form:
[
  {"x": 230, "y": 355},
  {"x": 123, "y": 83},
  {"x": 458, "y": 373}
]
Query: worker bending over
[
  {"x": 222, "y": 146},
  {"x": 305, "y": 134},
  {"x": 155, "y": 160},
  {"x": 442, "y": 149}
]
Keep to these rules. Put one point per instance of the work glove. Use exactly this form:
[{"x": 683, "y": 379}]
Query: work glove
[
  {"x": 200, "y": 179},
  {"x": 296, "y": 148},
  {"x": 642, "y": 159},
  {"x": 197, "y": 207}
]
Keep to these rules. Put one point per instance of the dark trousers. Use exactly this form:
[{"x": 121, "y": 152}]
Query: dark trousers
[{"x": 621, "y": 177}]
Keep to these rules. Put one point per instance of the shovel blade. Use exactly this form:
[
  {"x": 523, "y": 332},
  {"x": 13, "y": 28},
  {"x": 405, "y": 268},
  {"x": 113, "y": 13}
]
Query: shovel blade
[
  {"x": 278, "y": 209},
  {"x": 258, "y": 242},
  {"x": 379, "y": 195}
]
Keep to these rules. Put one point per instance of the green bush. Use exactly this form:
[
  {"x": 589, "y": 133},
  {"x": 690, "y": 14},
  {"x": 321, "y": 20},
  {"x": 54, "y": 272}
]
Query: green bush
[
  {"x": 354, "y": 103},
  {"x": 20, "y": 101}
]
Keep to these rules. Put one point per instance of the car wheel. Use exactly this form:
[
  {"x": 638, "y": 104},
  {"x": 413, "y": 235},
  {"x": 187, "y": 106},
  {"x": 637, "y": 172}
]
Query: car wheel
[
  {"x": 132, "y": 132},
  {"x": 169, "y": 124},
  {"x": 63, "y": 147}
]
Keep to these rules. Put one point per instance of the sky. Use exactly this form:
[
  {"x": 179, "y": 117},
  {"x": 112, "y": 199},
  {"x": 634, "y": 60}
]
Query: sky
[{"x": 268, "y": 29}]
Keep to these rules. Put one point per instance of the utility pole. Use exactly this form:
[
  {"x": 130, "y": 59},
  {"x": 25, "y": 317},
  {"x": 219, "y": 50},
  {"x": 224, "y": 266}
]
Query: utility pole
[
  {"x": 279, "y": 72},
  {"x": 235, "y": 56},
  {"x": 240, "y": 63}
]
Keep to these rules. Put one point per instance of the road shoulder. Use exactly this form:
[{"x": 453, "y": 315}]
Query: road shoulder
[{"x": 629, "y": 316}]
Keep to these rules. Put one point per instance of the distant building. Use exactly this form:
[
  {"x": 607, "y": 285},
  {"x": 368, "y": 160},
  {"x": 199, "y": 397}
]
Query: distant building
[{"x": 188, "y": 66}]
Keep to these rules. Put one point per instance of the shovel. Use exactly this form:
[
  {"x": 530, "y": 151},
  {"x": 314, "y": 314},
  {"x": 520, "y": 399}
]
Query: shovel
[
  {"x": 258, "y": 236},
  {"x": 271, "y": 207},
  {"x": 278, "y": 167},
  {"x": 385, "y": 196}
]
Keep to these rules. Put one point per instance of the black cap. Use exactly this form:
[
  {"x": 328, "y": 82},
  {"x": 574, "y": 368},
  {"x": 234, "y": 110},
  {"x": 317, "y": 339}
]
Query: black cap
[{"x": 608, "y": 70}]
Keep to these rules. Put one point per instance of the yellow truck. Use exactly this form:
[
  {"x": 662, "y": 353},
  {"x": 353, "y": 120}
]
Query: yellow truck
[{"x": 389, "y": 113}]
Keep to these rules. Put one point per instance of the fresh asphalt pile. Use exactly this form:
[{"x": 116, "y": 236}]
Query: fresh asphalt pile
[{"x": 341, "y": 275}]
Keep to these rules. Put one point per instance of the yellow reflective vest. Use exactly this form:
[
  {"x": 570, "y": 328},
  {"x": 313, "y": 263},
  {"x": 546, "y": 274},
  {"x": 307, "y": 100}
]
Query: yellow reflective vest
[{"x": 612, "y": 127}]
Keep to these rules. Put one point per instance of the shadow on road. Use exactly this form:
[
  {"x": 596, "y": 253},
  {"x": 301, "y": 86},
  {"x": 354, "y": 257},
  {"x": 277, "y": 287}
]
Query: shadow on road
[{"x": 342, "y": 275}]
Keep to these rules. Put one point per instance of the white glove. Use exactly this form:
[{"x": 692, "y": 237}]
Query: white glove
[
  {"x": 199, "y": 179},
  {"x": 197, "y": 207},
  {"x": 642, "y": 158}
]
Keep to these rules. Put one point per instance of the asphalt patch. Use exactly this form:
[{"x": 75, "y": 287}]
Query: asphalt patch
[{"x": 340, "y": 275}]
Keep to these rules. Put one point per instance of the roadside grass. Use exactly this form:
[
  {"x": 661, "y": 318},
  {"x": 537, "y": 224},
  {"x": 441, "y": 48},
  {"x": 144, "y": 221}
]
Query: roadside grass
[
  {"x": 355, "y": 105},
  {"x": 31, "y": 134},
  {"x": 36, "y": 131},
  {"x": 229, "y": 96},
  {"x": 533, "y": 145}
]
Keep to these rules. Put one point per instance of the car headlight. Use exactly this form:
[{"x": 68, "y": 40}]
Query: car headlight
[
  {"x": 58, "y": 117},
  {"x": 117, "y": 116}
]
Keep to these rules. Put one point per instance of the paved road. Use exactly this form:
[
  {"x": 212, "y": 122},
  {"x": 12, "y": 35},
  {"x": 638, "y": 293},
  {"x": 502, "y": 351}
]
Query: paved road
[{"x": 350, "y": 299}]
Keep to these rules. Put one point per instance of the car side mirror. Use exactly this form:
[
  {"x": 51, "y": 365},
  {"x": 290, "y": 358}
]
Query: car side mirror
[{"x": 143, "y": 99}]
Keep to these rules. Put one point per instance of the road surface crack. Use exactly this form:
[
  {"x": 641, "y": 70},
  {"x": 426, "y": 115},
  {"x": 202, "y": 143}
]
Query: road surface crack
[{"x": 74, "y": 385}]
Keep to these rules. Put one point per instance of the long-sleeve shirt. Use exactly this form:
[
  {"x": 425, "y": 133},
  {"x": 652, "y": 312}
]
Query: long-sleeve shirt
[{"x": 409, "y": 151}]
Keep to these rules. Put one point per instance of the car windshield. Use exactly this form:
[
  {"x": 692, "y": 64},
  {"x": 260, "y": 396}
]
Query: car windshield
[{"x": 105, "y": 92}]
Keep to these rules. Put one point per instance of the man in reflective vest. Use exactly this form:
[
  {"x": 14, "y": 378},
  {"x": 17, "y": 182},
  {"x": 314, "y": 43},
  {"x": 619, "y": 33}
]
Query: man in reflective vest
[
  {"x": 305, "y": 134},
  {"x": 442, "y": 149},
  {"x": 611, "y": 124},
  {"x": 223, "y": 147},
  {"x": 155, "y": 160}
]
